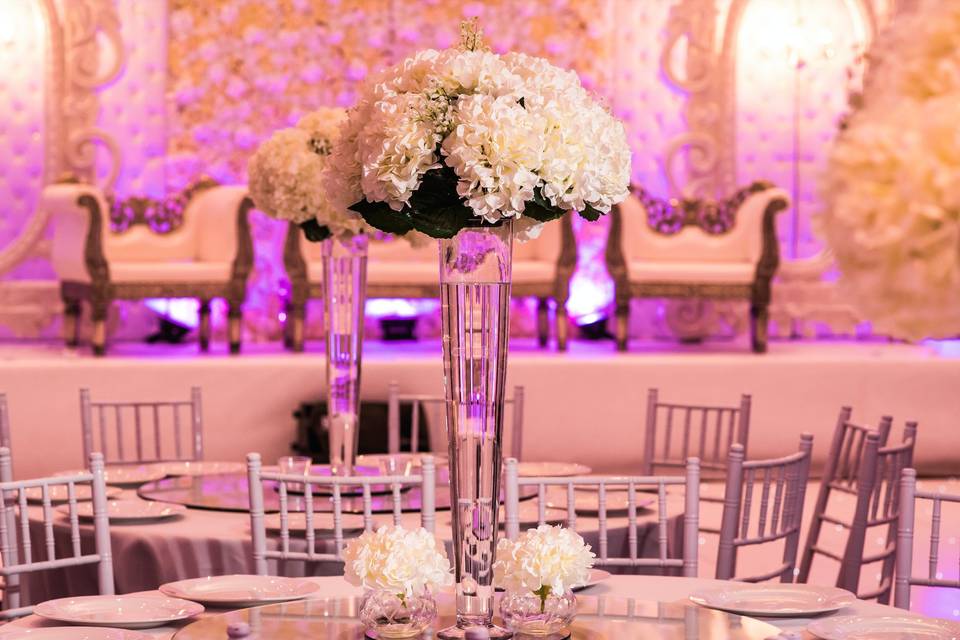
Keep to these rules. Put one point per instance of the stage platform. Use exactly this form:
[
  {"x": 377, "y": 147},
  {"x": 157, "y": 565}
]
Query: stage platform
[{"x": 585, "y": 406}]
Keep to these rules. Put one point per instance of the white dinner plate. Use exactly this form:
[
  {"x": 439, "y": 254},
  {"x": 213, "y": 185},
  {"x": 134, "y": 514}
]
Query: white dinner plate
[
  {"x": 588, "y": 505},
  {"x": 71, "y": 633},
  {"x": 775, "y": 601},
  {"x": 551, "y": 469},
  {"x": 596, "y": 577},
  {"x": 240, "y": 590},
  {"x": 199, "y": 468},
  {"x": 128, "y": 510},
  {"x": 58, "y": 493},
  {"x": 884, "y": 628},
  {"x": 126, "y": 475},
  {"x": 322, "y": 523},
  {"x": 125, "y": 612},
  {"x": 373, "y": 459}
]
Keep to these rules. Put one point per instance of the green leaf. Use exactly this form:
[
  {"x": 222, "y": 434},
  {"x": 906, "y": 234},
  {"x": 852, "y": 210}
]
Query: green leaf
[
  {"x": 540, "y": 208},
  {"x": 443, "y": 222},
  {"x": 591, "y": 214},
  {"x": 380, "y": 216},
  {"x": 314, "y": 231}
]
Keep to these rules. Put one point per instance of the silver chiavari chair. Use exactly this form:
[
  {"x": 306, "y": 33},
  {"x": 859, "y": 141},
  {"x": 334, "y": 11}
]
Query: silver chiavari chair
[
  {"x": 18, "y": 554},
  {"x": 675, "y": 432},
  {"x": 134, "y": 431},
  {"x": 332, "y": 488},
  {"x": 4, "y": 422},
  {"x": 841, "y": 472},
  {"x": 691, "y": 517},
  {"x": 784, "y": 480},
  {"x": 421, "y": 402},
  {"x": 909, "y": 498}
]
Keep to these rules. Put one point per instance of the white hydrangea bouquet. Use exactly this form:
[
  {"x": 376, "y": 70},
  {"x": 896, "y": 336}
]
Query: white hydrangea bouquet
[
  {"x": 538, "y": 572},
  {"x": 400, "y": 568},
  {"x": 892, "y": 186},
  {"x": 285, "y": 177},
  {"x": 465, "y": 137}
]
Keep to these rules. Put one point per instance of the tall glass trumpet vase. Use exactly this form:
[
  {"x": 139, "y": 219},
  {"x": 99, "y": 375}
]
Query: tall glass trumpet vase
[
  {"x": 475, "y": 307},
  {"x": 344, "y": 296}
]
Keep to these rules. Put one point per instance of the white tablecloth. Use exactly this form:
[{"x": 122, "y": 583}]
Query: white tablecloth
[
  {"x": 204, "y": 543},
  {"x": 646, "y": 588}
]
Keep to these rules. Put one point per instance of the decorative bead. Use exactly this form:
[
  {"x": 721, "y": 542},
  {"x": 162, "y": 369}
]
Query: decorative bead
[
  {"x": 477, "y": 633},
  {"x": 238, "y": 630}
]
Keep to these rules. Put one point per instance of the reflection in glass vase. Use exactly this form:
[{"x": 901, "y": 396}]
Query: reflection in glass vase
[
  {"x": 392, "y": 615},
  {"x": 540, "y": 615}
]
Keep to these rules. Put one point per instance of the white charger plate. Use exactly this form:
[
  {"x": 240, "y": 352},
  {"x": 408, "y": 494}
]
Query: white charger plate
[
  {"x": 129, "y": 510},
  {"x": 125, "y": 612},
  {"x": 774, "y": 601},
  {"x": 596, "y": 577},
  {"x": 71, "y": 633},
  {"x": 551, "y": 469},
  {"x": 199, "y": 468},
  {"x": 884, "y": 628},
  {"x": 58, "y": 493},
  {"x": 240, "y": 590},
  {"x": 373, "y": 459},
  {"x": 322, "y": 523},
  {"x": 126, "y": 475},
  {"x": 588, "y": 505}
]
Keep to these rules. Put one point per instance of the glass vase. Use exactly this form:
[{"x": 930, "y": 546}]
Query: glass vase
[
  {"x": 528, "y": 614},
  {"x": 385, "y": 614},
  {"x": 475, "y": 313},
  {"x": 344, "y": 297}
]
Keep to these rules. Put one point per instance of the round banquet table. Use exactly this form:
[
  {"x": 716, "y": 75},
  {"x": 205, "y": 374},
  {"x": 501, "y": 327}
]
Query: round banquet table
[
  {"x": 206, "y": 542},
  {"x": 602, "y": 607}
]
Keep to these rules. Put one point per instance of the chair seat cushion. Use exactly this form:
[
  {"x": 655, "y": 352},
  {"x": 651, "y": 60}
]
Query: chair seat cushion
[
  {"x": 692, "y": 272},
  {"x": 170, "y": 271},
  {"x": 418, "y": 273}
]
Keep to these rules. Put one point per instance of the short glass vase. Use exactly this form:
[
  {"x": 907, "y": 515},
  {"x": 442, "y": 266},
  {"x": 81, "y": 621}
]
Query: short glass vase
[
  {"x": 386, "y": 614},
  {"x": 529, "y": 614}
]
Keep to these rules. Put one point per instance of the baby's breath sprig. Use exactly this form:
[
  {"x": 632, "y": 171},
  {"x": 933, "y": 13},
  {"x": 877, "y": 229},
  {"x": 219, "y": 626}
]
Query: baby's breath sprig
[{"x": 471, "y": 36}]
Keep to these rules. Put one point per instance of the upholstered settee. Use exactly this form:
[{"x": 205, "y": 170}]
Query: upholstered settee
[
  {"x": 696, "y": 249},
  {"x": 542, "y": 268},
  {"x": 195, "y": 245}
]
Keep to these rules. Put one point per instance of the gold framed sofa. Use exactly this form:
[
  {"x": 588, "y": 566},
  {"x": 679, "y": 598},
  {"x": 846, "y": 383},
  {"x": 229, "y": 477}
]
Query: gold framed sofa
[
  {"x": 696, "y": 249},
  {"x": 542, "y": 268},
  {"x": 195, "y": 245}
]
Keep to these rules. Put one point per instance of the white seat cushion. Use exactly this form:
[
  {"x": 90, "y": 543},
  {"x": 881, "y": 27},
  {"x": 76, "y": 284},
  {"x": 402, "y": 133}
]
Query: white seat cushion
[
  {"x": 692, "y": 272},
  {"x": 170, "y": 271}
]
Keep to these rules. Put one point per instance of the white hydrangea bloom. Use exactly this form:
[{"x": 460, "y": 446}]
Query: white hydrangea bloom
[
  {"x": 548, "y": 556},
  {"x": 397, "y": 560}
]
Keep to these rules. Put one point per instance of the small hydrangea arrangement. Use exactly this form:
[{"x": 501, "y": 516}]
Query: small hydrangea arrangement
[
  {"x": 285, "y": 177},
  {"x": 464, "y": 137},
  {"x": 538, "y": 571},
  {"x": 399, "y": 568}
]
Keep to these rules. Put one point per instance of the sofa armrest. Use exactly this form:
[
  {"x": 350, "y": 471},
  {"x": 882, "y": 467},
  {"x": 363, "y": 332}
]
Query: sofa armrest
[
  {"x": 80, "y": 217},
  {"x": 758, "y": 214}
]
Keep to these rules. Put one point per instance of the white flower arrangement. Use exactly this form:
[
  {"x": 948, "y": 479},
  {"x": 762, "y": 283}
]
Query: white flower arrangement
[
  {"x": 460, "y": 137},
  {"x": 545, "y": 560},
  {"x": 397, "y": 560},
  {"x": 892, "y": 185},
  {"x": 285, "y": 177}
]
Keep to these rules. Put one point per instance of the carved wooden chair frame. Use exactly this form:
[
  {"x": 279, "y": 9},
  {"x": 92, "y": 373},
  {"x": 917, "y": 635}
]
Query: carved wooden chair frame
[
  {"x": 701, "y": 213},
  {"x": 100, "y": 292},
  {"x": 558, "y": 289}
]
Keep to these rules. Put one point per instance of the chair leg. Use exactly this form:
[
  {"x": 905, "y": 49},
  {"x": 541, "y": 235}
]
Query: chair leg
[
  {"x": 100, "y": 309},
  {"x": 759, "y": 324},
  {"x": 296, "y": 319},
  {"x": 563, "y": 327},
  {"x": 623, "y": 320},
  {"x": 234, "y": 326},
  {"x": 543, "y": 322},
  {"x": 72, "y": 310},
  {"x": 204, "y": 325}
]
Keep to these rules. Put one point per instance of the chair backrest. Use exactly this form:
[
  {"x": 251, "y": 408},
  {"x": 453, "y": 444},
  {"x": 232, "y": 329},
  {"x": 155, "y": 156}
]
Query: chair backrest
[
  {"x": 328, "y": 487},
  {"x": 909, "y": 497},
  {"x": 134, "y": 431},
  {"x": 878, "y": 503},
  {"x": 784, "y": 480},
  {"x": 15, "y": 541},
  {"x": 691, "y": 518},
  {"x": 421, "y": 403},
  {"x": 4, "y": 422},
  {"x": 675, "y": 432}
]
